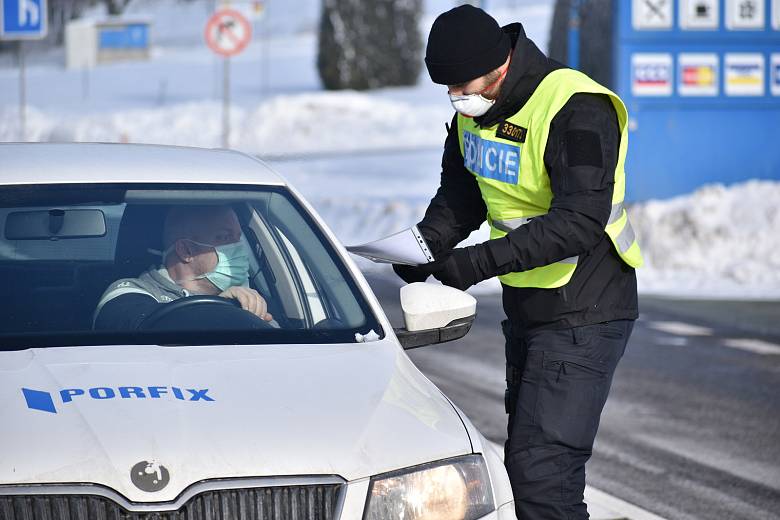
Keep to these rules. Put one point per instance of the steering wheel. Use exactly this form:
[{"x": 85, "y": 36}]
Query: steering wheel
[{"x": 202, "y": 312}]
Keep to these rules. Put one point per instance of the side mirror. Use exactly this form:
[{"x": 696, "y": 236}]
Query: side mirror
[{"x": 434, "y": 314}]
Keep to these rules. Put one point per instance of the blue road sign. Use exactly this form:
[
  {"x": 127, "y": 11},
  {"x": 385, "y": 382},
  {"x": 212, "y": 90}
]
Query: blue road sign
[{"x": 23, "y": 19}]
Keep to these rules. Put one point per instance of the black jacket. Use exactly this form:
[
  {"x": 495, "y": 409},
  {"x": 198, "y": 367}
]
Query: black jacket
[{"x": 580, "y": 157}]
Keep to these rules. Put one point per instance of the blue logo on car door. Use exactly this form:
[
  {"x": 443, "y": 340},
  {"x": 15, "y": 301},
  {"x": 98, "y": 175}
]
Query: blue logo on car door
[{"x": 44, "y": 401}]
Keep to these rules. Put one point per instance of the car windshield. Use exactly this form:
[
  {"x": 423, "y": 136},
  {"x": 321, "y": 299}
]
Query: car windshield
[{"x": 89, "y": 264}]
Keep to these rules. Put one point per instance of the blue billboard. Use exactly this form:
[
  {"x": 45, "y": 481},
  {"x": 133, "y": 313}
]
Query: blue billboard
[
  {"x": 123, "y": 36},
  {"x": 701, "y": 80}
]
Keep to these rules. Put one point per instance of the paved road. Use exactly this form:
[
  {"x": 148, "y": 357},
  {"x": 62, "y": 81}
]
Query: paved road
[{"x": 692, "y": 426}]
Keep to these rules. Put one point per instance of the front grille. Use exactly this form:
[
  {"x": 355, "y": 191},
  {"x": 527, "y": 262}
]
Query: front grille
[{"x": 303, "y": 502}]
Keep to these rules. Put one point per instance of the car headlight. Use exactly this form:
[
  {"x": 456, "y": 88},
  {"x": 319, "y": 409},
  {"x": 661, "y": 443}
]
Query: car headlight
[{"x": 453, "y": 489}]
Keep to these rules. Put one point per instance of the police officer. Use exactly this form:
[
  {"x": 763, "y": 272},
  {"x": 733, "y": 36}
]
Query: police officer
[{"x": 538, "y": 150}]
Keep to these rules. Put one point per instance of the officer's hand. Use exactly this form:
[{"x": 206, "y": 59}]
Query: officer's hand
[
  {"x": 412, "y": 273},
  {"x": 250, "y": 300},
  {"x": 456, "y": 269}
]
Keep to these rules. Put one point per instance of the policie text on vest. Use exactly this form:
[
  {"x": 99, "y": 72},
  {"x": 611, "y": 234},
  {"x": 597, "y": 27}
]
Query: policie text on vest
[{"x": 491, "y": 159}]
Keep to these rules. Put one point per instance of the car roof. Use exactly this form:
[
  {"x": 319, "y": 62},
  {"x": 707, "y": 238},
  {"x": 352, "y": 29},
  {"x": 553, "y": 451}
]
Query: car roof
[{"x": 76, "y": 163}]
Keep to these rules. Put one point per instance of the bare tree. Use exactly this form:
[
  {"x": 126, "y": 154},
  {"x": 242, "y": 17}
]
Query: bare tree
[
  {"x": 116, "y": 7},
  {"x": 595, "y": 34},
  {"x": 365, "y": 44}
]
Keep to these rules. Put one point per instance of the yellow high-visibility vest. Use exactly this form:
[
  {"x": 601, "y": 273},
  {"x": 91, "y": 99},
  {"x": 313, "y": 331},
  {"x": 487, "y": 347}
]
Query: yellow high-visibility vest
[{"x": 507, "y": 160}]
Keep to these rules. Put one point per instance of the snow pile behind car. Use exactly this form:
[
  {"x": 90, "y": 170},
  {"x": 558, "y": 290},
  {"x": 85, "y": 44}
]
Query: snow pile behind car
[{"x": 718, "y": 241}]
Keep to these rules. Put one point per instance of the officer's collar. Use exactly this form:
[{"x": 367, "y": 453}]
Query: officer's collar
[{"x": 527, "y": 68}]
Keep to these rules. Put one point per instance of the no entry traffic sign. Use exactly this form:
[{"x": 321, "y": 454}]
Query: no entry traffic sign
[{"x": 228, "y": 32}]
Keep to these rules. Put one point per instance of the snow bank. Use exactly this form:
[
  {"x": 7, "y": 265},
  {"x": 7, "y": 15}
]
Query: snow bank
[
  {"x": 718, "y": 242},
  {"x": 286, "y": 125},
  {"x": 340, "y": 122}
]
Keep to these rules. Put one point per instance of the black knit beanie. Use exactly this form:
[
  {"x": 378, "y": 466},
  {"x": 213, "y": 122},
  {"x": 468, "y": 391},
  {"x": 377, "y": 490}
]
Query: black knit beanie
[{"x": 465, "y": 43}]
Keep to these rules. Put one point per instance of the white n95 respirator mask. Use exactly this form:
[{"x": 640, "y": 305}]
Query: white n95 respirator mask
[
  {"x": 475, "y": 105},
  {"x": 471, "y": 105}
]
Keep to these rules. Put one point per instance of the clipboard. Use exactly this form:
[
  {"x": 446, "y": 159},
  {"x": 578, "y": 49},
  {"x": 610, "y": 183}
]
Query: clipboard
[{"x": 406, "y": 247}]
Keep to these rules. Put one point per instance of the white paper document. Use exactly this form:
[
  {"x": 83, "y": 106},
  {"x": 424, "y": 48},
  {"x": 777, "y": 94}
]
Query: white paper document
[{"x": 405, "y": 247}]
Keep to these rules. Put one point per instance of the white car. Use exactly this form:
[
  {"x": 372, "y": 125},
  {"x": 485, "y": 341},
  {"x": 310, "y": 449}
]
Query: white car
[{"x": 202, "y": 410}]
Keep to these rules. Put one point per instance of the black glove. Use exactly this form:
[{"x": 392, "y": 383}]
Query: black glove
[
  {"x": 458, "y": 269},
  {"x": 412, "y": 273}
]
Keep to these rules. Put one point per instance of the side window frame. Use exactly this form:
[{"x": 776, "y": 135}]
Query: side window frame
[
  {"x": 288, "y": 287},
  {"x": 307, "y": 279}
]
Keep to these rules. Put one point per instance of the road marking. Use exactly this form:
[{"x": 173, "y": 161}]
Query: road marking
[
  {"x": 756, "y": 346},
  {"x": 680, "y": 329},
  {"x": 674, "y": 341}
]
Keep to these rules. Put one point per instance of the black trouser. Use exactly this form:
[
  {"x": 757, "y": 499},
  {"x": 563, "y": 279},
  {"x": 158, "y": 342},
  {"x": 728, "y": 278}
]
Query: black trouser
[{"x": 558, "y": 381}]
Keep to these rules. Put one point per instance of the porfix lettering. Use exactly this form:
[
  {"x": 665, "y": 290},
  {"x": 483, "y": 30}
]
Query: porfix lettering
[
  {"x": 44, "y": 401},
  {"x": 136, "y": 392}
]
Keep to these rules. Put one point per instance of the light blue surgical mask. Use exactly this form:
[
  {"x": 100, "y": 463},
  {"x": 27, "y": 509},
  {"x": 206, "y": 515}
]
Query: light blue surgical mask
[{"x": 232, "y": 269}]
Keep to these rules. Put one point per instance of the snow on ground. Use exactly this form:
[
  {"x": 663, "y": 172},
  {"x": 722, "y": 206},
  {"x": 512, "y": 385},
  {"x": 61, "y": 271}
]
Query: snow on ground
[
  {"x": 368, "y": 161},
  {"x": 307, "y": 122}
]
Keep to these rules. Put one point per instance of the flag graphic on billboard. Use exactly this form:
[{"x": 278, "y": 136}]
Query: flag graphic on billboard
[
  {"x": 651, "y": 74},
  {"x": 744, "y": 74}
]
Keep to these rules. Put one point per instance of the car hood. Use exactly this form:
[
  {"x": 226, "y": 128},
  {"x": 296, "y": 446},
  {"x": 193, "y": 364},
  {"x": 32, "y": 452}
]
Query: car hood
[{"x": 89, "y": 414}]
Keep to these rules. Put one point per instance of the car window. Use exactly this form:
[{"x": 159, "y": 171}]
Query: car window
[{"x": 118, "y": 264}]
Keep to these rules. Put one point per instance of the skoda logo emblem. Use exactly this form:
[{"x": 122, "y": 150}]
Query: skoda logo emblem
[{"x": 149, "y": 476}]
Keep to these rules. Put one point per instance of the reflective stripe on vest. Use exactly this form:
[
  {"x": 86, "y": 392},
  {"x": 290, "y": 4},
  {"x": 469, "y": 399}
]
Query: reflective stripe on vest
[
  {"x": 626, "y": 238},
  {"x": 511, "y": 225},
  {"x": 515, "y": 184},
  {"x": 616, "y": 213}
]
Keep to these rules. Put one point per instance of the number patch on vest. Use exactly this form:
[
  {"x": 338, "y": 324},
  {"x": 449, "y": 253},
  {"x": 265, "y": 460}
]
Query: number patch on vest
[
  {"x": 510, "y": 132},
  {"x": 491, "y": 159}
]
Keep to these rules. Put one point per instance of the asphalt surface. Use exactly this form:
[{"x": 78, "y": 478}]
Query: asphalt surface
[{"x": 692, "y": 426}]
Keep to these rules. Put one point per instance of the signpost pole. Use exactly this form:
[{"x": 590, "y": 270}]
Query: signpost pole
[
  {"x": 226, "y": 102},
  {"x": 23, "y": 20},
  {"x": 227, "y": 34},
  {"x": 22, "y": 94},
  {"x": 266, "y": 66},
  {"x": 573, "y": 45}
]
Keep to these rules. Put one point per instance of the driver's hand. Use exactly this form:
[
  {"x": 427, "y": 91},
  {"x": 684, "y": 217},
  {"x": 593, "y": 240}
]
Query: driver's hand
[{"x": 250, "y": 300}]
